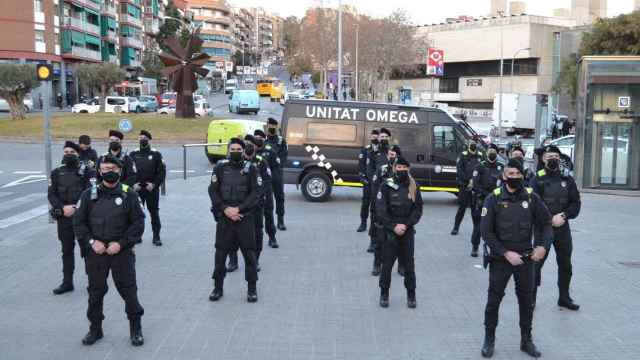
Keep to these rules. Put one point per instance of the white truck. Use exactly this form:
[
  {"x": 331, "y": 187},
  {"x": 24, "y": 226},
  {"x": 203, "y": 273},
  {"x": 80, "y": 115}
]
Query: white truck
[{"x": 518, "y": 114}]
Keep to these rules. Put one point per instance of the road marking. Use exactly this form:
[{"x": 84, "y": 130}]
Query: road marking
[
  {"x": 27, "y": 172},
  {"x": 181, "y": 171},
  {"x": 9, "y": 204},
  {"x": 25, "y": 180},
  {"x": 24, "y": 216}
]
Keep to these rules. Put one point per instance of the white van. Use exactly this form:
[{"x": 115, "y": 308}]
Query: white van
[
  {"x": 230, "y": 85},
  {"x": 122, "y": 104}
]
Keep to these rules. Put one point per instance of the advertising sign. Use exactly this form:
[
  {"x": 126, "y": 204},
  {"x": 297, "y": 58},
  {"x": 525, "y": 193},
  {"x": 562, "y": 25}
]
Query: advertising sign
[{"x": 435, "y": 62}]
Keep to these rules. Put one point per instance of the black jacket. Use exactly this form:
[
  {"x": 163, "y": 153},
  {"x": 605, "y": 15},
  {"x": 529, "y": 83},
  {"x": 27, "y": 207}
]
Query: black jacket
[
  {"x": 279, "y": 145},
  {"x": 393, "y": 205},
  {"x": 67, "y": 184},
  {"x": 234, "y": 186},
  {"x": 560, "y": 193},
  {"x": 465, "y": 166},
  {"x": 149, "y": 165}
]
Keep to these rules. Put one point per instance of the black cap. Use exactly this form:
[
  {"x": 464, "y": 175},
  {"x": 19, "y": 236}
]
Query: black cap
[
  {"x": 259, "y": 132},
  {"x": 116, "y": 133},
  {"x": 250, "y": 138},
  {"x": 110, "y": 159},
  {"x": 385, "y": 131},
  {"x": 516, "y": 164},
  {"x": 146, "y": 133},
  {"x": 402, "y": 161},
  {"x": 84, "y": 140},
  {"x": 396, "y": 149},
  {"x": 71, "y": 144},
  {"x": 375, "y": 132},
  {"x": 236, "y": 140},
  {"x": 272, "y": 121},
  {"x": 552, "y": 149}
]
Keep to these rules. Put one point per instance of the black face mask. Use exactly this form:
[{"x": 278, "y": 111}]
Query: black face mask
[
  {"x": 235, "y": 156},
  {"x": 111, "y": 177},
  {"x": 249, "y": 149},
  {"x": 553, "y": 164},
  {"x": 144, "y": 143},
  {"x": 375, "y": 141},
  {"x": 473, "y": 147},
  {"x": 492, "y": 157},
  {"x": 271, "y": 131},
  {"x": 259, "y": 143},
  {"x": 70, "y": 160},
  {"x": 515, "y": 183},
  {"x": 115, "y": 146},
  {"x": 402, "y": 176}
]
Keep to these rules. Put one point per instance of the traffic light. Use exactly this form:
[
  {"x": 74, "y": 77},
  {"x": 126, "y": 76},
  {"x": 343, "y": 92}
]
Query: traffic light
[{"x": 44, "y": 71}]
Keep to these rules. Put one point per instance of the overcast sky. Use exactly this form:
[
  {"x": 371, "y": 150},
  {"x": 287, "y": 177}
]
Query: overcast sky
[{"x": 422, "y": 11}]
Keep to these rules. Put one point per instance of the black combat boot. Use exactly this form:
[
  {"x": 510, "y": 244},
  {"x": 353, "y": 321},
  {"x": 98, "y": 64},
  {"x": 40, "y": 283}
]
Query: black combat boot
[
  {"x": 474, "y": 252},
  {"x": 454, "y": 231},
  {"x": 527, "y": 345},
  {"x": 384, "y": 297},
  {"x": 156, "y": 240},
  {"x": 273, "y": 243},
  {"x": 411, "y": 299},
  {"x": 400, "y": 270},
  {"x": 370, "y": 249},
  {"x": 377, "y": 268},
  {"x": 568, "y": 303},
  {"x": 233, "y": 262},
  {"x": 216, "y": 293},
  {"x": 252, "y": 292},
  {"x": 281, "y": 226},
  {"x": 489, "y": 342},
  {"x": 135, "y": 332},
  {"x": 363, "y": 226},
  {"x": 94, "y": 334},
  {"x": 65, "y": 287}
]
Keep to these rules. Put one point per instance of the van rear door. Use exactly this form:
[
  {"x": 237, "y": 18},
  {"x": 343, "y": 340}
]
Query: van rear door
[{"x": 446, "y": 144}]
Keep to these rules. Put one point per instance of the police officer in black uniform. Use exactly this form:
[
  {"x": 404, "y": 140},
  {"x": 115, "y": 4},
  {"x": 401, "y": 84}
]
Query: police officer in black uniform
[
  {"x": 509, "y": 217},
  {"x": 279, "y": 145},
  {"x": 150, "y": 174},
  {"x": 251, "y": 157},
  {"x": 87, "y": 155},
  {"x": 65, "y": 187},
  {"x": 399, "y": 208},
  {"x": 234, "y": 191},
  {"x": 109, "y": 222},
  {"x": 561, "y": 195},
  {"x": 266, "y": 152},
  {"x": 486, "y": 177},
  {"x": 128, "y": 174},
  {"x": 466, "y": 164},
  {"x": 519, "y": 153},
  {"x": 376, "y": 160},
  {"x": 365, "y": 177}
]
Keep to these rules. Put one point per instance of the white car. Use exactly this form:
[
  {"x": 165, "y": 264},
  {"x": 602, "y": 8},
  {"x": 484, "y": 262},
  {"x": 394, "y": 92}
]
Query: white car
[
  {"x": 165, "y": 110},
  {"x": 122, "y": 104},
  {"x": 88, "y": 107},
  {"x": 249, "y": 80},
  {"x": 28, "y": 104},
  {"x": 202, "y": 108}
]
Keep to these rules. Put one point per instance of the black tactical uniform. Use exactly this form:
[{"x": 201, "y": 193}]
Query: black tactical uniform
[
  {"x": 466, "y": 164},
  {"x": 366, "y": 175},
  {"x": 560, "y": 194},
  {"x": 384, "y": 173},
  {"x": 66, "y": 185},
  {"x": 377, "y": 159},
  {"x": 88, "y": 157},
  {"x": 486, "y": 177},
  {"x": 150, "y": 170},
  {"x": 279, "y": 146},
  {"x": 114, "y": 215},
  {"x": 128, "y": 174},
  {"x": 235, "y": 185},
  {"x": 270, "y": 157},
  {"x": 508, "y": 222},
  {"x": 394, "y": 206}
]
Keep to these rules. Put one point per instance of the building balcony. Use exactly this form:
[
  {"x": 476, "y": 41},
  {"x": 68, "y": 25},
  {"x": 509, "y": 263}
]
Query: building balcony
[
  {"x": 108, "y": 9},
  {"x": 86, "y": 3},
  {"x": 151, "y": 26},
  {"x": 81, "y": 25},
  {"x": 131, "y": 20},
  {"x": 110, "y": 36},
  {"x": 84, "y": 53},
  {"x": 133, "y": 42}
]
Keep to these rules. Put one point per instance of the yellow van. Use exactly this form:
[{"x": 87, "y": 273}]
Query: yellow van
[
  {"x": 264, "y": 86},
  {"x": 220, "y": 131},
  {"x": 277, "y": 92}
]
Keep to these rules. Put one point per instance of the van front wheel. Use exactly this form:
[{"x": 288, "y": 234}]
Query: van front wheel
[{"x": 316, "y": 187}]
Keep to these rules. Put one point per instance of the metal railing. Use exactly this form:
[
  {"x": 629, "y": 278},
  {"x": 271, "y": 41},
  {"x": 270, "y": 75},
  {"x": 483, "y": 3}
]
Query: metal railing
[
  {"x": 86, "y": 53},
  {"x": 184, "y": 154}
]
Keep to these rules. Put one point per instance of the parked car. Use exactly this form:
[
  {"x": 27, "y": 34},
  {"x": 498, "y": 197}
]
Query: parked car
[
  {"x": 249, "y": 80},
  {"x": 202, "y": 108},
  {"x": 168, "y": 98},
  {"x": 244, "y": 101},
  {"x": 90, "y": 106},
  {"x": 122, "y": 104},
  {"x": 28, "y": 104},
  {"x": 148, "y": 103},
  {"x": 171, "y": 109}
]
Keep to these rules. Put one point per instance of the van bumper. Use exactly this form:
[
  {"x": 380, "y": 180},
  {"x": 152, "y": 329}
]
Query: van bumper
[{"x": 247, "y": 109}]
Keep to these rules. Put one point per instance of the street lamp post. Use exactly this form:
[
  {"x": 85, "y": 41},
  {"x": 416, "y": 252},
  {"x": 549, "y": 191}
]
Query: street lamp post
[
  {"x": 501, "y": 77},
  {"x": 339, "y": 48},
  {"x": 513, "y": 59},
  {"x": 356, "y": 82}
]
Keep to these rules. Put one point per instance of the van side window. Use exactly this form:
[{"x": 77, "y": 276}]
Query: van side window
[
  {"x": 444, "y": 138},
  {"x": 115, "y": 101},
  {"x": 334, "y": 133}
]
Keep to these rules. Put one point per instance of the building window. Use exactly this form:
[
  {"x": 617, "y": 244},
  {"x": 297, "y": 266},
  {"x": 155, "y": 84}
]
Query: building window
[
  {"x": 38, "y": 6},
  {"x": 39, "y": 35},
  {"x": 449, "y": 85}
]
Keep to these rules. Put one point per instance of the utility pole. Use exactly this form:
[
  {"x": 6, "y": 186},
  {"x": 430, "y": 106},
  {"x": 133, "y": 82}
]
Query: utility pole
[
  {"x": 339, "y": 48},
  {"x": 356, "y": 82},
  {"x": 501, "y": 76}
]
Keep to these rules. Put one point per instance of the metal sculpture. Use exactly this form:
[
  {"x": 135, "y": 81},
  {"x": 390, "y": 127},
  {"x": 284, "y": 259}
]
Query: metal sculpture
[{"x": 181, "y": 66}]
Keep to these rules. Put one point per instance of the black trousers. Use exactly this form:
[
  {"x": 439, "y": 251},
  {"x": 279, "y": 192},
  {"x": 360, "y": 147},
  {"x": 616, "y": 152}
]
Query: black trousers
[
  {"x": 464, "y": 201},
  {"x": 277, "y": 184},
  {"x": 152, "y": 202},
  {"x": 401, "y": 248},
  {"x": 476, "y": 217},
  {"x": 366, "y": 202},
  {"x": 500, "y": 271},
  {"x": 123, "y": 270},
  {"x": 270, "y": 224},
  {"x": 563, "y": 245},
  {"x": 229, "y": 237},
  {"x": 67, "y": 241}
]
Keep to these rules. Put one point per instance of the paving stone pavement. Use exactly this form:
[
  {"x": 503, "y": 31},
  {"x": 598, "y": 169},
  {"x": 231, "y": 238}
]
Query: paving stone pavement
[{"x": 317, "y": 298}]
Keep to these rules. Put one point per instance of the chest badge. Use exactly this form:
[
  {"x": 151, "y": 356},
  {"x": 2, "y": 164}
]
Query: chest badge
[
  {"x": 150, "y": 157},
  {"x": 525, "y": 204},
  {"x": 564, "y": 184},
  {"x": 118, "y": 201}
]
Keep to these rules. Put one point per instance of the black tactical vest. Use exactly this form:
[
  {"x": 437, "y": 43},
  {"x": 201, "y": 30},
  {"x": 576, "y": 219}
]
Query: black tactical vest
[
  {"x": 399, "y": 201},
  {"x": 235, "y": 185},
  {"x": 145, "y": 165},
  {"x": 555, "y": 192},
  {"x": 70, "y": 185},
  {"x": 491, "y": 177},
  {"x": 108, "y": 218},
  {"x": 514, "y": 219}
]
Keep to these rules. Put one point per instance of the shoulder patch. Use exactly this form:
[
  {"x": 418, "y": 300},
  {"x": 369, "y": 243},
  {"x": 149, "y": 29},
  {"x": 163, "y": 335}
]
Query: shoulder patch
[
  {"x": 223, "y": 161},
  {"x": 542, "y": 173},
  {"x": 259, "y": 180},
  {"x": 484, "y": 211},
  {"x": 392, "y": 184},
  {"x": 465, "y": 153},
  {"x": 268, "y": 147},
  {"x": 214, "y": 178},
  {"x": 125, "y": 187},
  {"x": 497, "y": 191},
  {"x": 368, "y": 147},
  {"x": 529, "y": 190},
  {"x": 259, "y": 157}
]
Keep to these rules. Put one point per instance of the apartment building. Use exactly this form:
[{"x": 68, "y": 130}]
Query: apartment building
[{"x": 243, "y": 30}]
